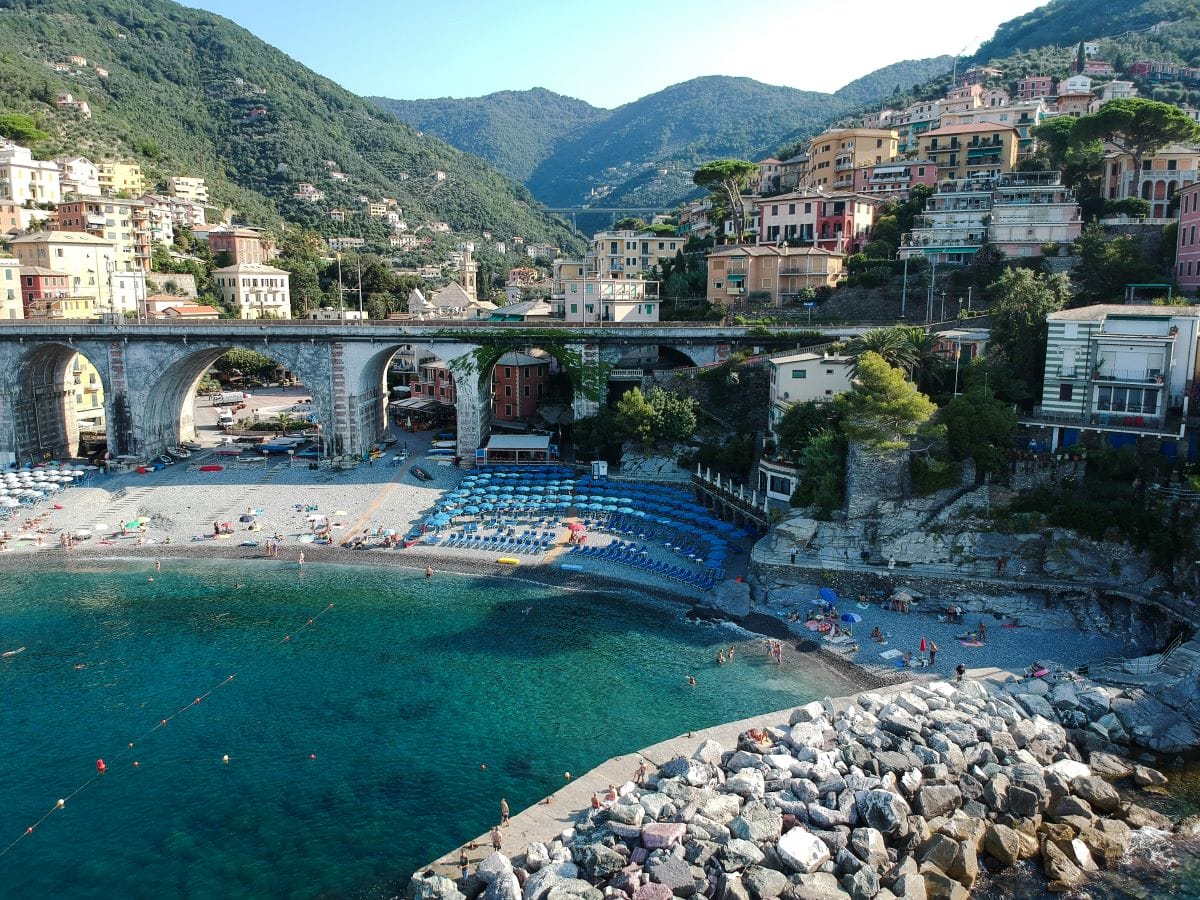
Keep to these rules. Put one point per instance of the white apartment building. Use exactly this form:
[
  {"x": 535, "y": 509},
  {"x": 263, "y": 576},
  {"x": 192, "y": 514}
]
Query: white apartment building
[
  {"x": 11, "y": 306},
  {"x": 1017, "y": 212},
  {"x": 78, "y": 177},
  {"x": 590, "y": 299},
  {"x": 24, "y": 179},
  {"x": 128, "y": 292},
  {"x": 629, "y": 254},
  {"x": 255, "y": 290},
  {"x": 188, "y": 188},
  {"x": 788, "y": 217},
  {"x": 802, "y": 377},
  {"x": 1121, "y": 370}
]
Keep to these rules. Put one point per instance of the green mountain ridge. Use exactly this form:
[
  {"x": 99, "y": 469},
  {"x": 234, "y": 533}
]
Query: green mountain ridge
[
  {"x": 642, "y": 153},
  {"x": 191, "y": 93}
]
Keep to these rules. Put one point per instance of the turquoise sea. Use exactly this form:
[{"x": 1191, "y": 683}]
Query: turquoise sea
[{"x": 355, "y": 747}]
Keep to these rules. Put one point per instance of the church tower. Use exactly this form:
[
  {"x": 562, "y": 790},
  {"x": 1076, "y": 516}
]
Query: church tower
[{"x": 468, "y": 272}]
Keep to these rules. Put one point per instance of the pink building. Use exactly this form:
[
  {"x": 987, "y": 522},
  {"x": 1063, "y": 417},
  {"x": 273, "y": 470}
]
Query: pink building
[
  {"x": 893, "y": 180},
  {"x": 1187, "y": 251},
  {"x": 787, "y": 217},
  {"x": 519, "y": 382},
  {"x": 1035, "y": 86},
  {"x": 436, "y": 382},
  {"x": 844, "y": 222}
]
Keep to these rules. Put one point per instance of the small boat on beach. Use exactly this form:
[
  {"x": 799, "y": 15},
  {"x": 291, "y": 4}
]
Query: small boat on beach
[
  {"x": 179, "y": 452},
  {"x": 421, "y": 474},
  {"x": 192, "y": 445}
]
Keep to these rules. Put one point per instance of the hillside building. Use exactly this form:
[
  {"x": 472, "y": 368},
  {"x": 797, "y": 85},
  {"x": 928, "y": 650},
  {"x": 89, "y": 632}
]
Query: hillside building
[
  {"x": 255, "y": 290},
  {"x": 629, "y": 254},
  {"x": 981, "y": 150},
  {"x": 24, "y": 179},
  {"x": 835, "y": 154},
  {"x": 1187, "y": 244},
  {"x": 126, "y": 223},
  {"x": 78, "y": 177},
  {"x": 86, "y": 259},
  {"x": 778, "y": 275},
  {"x": 1172, "y": 168},
  {"x": 11, "y": 303},
  {"x": 187, "y": 188},
  {"x": 519, "y": 382},
  {"x": 121, "y": 178}
]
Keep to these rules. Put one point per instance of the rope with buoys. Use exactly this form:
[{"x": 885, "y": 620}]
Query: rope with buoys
[{"x": 102, "y": 766}]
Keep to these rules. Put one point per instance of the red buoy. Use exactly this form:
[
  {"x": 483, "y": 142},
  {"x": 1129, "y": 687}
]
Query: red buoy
[
  {"x": 100, "y": 766},
  {"x": 312, "y": 756}
]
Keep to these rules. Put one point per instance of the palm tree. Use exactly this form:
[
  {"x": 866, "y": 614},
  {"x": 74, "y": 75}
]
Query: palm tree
[
  {"x": 889, "y": 343},
  {"x": 926, "y": 368}
]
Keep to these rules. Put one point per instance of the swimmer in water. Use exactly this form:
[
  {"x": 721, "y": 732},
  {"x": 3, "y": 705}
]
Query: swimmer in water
[
  {"x": 527, "y": 610},
  {"x": 691, "y": 679}
]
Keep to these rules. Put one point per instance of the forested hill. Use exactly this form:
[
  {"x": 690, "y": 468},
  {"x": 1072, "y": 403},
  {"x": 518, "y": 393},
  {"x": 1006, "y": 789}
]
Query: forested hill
[
  {"x": 1063, "y": 23},
  {"x": 188, "y": 92},
  {"x": 643, "y": 153},
  {"x": 512, "y": 130}
]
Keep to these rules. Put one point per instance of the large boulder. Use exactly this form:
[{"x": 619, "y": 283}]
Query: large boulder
[
  {"x": 802, "y": 851},
  {"x": 1106, "y": 765},
  {"x": 434, "y": 887},
  {"x": 671, "y": 872},
  {"x": 661, "y": 835},
  {"x": 757, "y": 823},
  {"x": 938, "y": 800},
  {"x": 494, "y": 865},
  {"x": 738, "y": 854},
  {"x": 1061, "y": 872},
  {"x": 731, "y": 597},
  {"x": 538, "y": 885},
  {"x": 746, "y": 783},
  {"x": 1097, "y": 792},
  {"x": 573, "y": 889},
  {"x": 1002, "y": 844},
  {"x": 868, "y": 845},
  {"x": 600, "y": 861},
  {"x": 763, "y": 883},
  {"x": 883, "y": 810}
]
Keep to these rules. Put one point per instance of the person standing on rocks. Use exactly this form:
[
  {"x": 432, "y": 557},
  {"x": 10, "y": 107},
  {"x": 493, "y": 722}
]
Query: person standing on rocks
[
  {"x": 503, "y": 811},
  {"x": 960, "y": 670}
]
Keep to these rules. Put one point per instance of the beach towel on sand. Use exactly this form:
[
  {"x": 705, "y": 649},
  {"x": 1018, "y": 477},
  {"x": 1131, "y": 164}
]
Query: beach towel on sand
[
  {"x": 971, "y": 643},
  {"x": 891, "y": 654}
]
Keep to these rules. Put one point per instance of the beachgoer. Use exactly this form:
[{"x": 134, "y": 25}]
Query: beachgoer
[
  {"x": 503, "y": 811},
  {"x": 933, "y": 649},
  {"x": 729, "y": 653},
  {"x": 891, "y": 563},
  {"x": 960, "y": 670},
  {"x": 158, "y": 565},
  {"x": 428, "y": 572},
  {"x": 691, "y": 679},
  {"x": 566, "y": 776},
  {"x": 642, "y": 771},
  {"x": 611, "y": 797},
  {"x": 907, "y": 658},
  {"x": 877, "y": 635},
  {"x": 595, "y": 800},
  {"x": 216, "y": 529},
  {"x": 497, "y": 841},
  {"x": 720, "y": 657},
  {"x": 793, "y": 557},
  {"x": 464, "y": 863},
  {"x": 982, "y": 631},
  {"x": 300, "y": 559}
]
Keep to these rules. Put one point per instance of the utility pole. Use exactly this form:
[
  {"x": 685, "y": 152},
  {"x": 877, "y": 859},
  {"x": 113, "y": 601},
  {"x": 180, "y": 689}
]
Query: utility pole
[
  {"x": 358, "y": 260},
  {"x": 943, "y": 317},
  {"x": 932, "y": 287},
  {"x": 969, "y": 300},
  {"x": 904, "y": 289}
]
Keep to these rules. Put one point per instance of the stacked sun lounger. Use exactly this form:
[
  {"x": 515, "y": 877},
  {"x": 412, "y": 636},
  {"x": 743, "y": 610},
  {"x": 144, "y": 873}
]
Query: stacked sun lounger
[{"x": 637, "y": 556}]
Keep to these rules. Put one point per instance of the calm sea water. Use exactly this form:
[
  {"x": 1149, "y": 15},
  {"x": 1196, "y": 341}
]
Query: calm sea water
[{"x": 400, "y": 692}]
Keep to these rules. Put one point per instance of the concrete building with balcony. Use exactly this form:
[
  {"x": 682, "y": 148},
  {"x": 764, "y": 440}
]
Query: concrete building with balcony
[
  {"x": 87, "y": 259},
  {"x": 79, "y": 177},
  {"x": 255, "y": 290},
  {"x": 803, "y": 377},
  {"x": 629, "y": 254},
  {"x": 915, "y": 121},
  {"x": 979, "y": 150},
  {"x": 592, "y": 299},
  {"x": 434, "y": 381},
  {"x": 188, "y": 188},
  {"x": 121, "y": 178},
  {"x": 844, "y": 221},
  {"x": 779, "y": 275},
  {"x": 787, "y": 217},
  {"x": 11, "y": 303},
  {"x": 38, "y": 283},
  {"x": 767, "y": 179},
  {"x": 1171, "y": 169},
  {"x": 894, "y": 180},
  {"x": 1018, "y": 213},
  {"x": 794, "y": 172},
  {"x": 835, "y": 154},
  {"x": 24, "y": 179},
  {"x": 1023, "y": 116},
  {"x": 1123, "y": 371},
  {"x": 1035, "y": 86},
  {"x": 245, "y": 246},
  {"x": 126, "y": 223}
]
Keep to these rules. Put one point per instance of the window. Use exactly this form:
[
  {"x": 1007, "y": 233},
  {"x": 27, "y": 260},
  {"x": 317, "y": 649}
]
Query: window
[
  {"x": 1065, "y": 392},
  {"x": 1171, "y": 163},
  {"x": 508, "y": 409},
  {"x": 574, "y": 307},
  {"x": 507, "y": 372},
  {"x": 791, "y": 209},
  {"x": 526, "y": 390},
  {"x": 799, "y": 373}
]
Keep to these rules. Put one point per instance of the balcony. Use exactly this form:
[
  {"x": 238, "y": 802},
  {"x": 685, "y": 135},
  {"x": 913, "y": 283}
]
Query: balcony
[
  {"x": 1128, "y": 421},
  {"x": 1130, "y": 376}
]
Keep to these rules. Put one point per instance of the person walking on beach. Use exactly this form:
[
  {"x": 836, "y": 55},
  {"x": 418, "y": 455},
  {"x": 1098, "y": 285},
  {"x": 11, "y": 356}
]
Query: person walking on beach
[
  {"x": 497, "y": 840},
  {"x": 933, "y": 649},
  {"x": 503, "y": 811},
  {"x": 300, "y": 559},
  {"x": 216, "y": 529}
]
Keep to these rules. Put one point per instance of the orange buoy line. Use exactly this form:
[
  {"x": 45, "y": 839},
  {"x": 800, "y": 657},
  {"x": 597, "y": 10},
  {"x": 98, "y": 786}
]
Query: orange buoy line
[{"x": 102, "y": 766}]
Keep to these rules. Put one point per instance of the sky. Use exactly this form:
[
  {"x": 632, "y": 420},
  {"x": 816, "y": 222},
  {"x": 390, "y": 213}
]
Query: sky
[{"x": 607, "y": 53}]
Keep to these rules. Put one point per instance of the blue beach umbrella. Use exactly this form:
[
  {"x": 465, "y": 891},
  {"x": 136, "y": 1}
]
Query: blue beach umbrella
[
  {"x": 625, "y": 510},
  {"x": 713, "y": 563},
  {"x": 828, "y": 594},
  {"x": 471, "y": 510},
  {"x": 852, "y": 618}
]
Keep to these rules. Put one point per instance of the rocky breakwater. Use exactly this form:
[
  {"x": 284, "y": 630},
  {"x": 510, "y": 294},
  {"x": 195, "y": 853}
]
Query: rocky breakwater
[{"x": 909, "y": 795}]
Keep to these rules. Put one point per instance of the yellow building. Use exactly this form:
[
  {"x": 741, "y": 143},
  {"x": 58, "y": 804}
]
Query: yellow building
[
  {"x": 629, "y": 254},
  {"x": 834, "y": 155},
  {"x": 87, "y": 259},
  {"x": 116, "y": 178},
  {"x": 770, "y": 275},
  {"x": 977, "y": 150},
  {"x": 185, "y": 188},
  {"x": 84, "y": 383}
]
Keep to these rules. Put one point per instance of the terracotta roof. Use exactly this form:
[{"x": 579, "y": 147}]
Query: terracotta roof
[
  {"x": 192, "y": 310},
  {"x": 772, "y": 250},
  {"x": 39, "y": 270}
]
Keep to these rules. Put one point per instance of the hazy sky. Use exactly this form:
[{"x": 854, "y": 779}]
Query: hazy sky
[{"x": 607, "y": 53}]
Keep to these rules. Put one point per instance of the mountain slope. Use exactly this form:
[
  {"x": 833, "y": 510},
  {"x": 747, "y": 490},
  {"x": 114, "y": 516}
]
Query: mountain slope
[
  {"x": 642, "y": 153},
  {"x": 1066, "y": 22},
  {"x": 512, "y": 130},
  {"x": 189, "y": 92}
]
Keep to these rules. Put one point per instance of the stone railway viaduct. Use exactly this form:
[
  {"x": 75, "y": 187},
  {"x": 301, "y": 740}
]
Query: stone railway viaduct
[{"x": 149, "y": 372}]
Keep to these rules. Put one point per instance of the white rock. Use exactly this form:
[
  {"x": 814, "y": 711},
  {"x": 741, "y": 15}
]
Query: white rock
[
  {"x": 709, "y": 752},
  {"x": 1069, "y": 769},
  {"x": 802, "y": 851}
]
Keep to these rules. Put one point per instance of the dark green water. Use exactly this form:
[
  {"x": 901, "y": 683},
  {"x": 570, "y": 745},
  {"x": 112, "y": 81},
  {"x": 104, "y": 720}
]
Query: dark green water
[{"x": 401, "y": 692}]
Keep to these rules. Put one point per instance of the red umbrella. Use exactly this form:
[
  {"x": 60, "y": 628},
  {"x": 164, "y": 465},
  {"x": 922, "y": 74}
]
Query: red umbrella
[
  {"x": 924, "y": 645},
  {"x": 576, "y": 526}
]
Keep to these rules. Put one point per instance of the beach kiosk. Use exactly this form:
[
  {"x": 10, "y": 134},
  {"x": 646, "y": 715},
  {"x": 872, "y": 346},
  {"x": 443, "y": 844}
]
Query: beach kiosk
[{"x": 517, "y": 449}]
